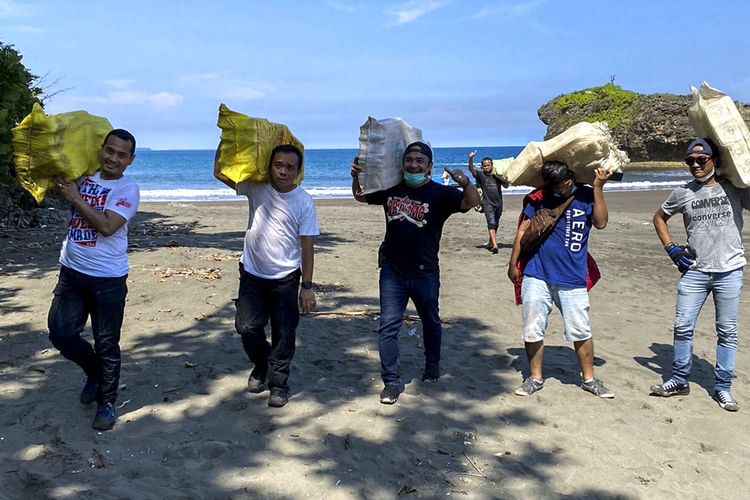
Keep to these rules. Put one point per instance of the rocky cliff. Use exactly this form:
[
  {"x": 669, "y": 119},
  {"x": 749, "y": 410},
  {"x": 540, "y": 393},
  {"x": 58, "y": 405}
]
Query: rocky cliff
[{"x": 650, "y": 127}]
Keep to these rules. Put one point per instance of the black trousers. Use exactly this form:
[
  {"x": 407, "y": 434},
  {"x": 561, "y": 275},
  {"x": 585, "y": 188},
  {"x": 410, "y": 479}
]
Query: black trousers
[
  {"x": 78, "y": 296},
  {"x": 258, "y": 301}
]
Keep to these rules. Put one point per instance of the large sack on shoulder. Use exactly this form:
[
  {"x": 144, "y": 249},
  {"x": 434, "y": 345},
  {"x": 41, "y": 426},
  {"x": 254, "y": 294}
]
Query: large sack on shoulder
[
  {"x": 499, "y": 167},
  {"x": 63, "y": 145},
  {"x": 582, "y": 147},
  {"x": 246, "y": 145},
  {"x": 713, "y": 114},
  {"x": 381, "y": 148}
]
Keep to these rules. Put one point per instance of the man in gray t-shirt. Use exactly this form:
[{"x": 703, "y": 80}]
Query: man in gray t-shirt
[{"x": 711, "y": 262}]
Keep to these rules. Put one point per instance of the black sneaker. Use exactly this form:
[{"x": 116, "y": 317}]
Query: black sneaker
[
  {"x": 431, "y": 373},
  {"x": 88, "y": 393},
  {"x": 726, "y": 401},
  {"x": 278, "y": 398},
  {"x": 670, "y": 388},
  {"x": 257, "y": 384},
  {"x": 389, "y": 394},
  {"x": 106, "y": 415}
]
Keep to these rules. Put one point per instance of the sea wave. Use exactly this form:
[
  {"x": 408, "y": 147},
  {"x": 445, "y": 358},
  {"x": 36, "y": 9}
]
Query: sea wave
[{"x": 345, "y": 192}]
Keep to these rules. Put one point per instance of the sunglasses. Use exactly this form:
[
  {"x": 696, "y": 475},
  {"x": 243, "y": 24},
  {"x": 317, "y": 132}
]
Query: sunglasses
[{"x": 700, "y": 160}]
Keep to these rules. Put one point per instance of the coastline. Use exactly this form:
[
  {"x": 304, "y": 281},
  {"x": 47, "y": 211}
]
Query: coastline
[{"x": 188, "y": 427}]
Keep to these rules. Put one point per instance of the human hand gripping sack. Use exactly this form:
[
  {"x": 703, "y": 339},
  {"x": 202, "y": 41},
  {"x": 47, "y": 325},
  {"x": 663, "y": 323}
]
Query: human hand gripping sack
[{"x": 683, "y": 257}]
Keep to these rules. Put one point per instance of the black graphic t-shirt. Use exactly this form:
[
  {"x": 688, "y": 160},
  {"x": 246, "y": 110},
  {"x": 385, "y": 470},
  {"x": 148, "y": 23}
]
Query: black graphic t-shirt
[
  {"x": 414, "y": 219},
  {"x": 492, "y": 188}
]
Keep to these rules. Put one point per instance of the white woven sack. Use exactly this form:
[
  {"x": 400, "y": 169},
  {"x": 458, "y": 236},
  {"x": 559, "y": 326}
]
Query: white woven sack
[
  {"x": 381, "y": 148},
  {"x": 583, "y": 147},
  {"x": 713, "y": 114}
]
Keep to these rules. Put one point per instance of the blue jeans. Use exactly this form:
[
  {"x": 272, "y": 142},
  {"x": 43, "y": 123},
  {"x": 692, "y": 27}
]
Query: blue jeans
[
  {"x": 395, "y": 292},
  {"x": 258, "y": 301},
  {"x": 78, "y": 296},
  {"x": 692, "y": 291}
]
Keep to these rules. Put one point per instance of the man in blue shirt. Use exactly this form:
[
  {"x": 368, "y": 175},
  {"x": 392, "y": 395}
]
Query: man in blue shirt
[{"x": 555, "y": 272}]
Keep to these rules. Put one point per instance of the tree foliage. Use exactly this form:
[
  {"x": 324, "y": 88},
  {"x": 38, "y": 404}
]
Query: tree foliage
[{"x": 18, "y": 92}]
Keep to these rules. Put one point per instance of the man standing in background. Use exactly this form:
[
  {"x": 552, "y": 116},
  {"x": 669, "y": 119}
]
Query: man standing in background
[{"x": 492, "y": 197}]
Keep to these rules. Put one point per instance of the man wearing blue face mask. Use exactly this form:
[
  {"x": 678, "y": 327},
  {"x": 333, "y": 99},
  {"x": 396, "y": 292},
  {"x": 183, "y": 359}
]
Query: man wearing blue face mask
[
  {"x": 556, "y": 272},
  {"x": 415, "y": 211}
]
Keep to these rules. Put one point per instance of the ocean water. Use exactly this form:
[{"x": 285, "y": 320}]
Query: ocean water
[{"x": 188, "y": 175}]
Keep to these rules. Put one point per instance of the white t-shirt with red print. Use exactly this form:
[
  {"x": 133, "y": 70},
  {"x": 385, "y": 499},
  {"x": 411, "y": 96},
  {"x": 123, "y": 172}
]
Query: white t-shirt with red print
[{"x": 89, "y": 252}]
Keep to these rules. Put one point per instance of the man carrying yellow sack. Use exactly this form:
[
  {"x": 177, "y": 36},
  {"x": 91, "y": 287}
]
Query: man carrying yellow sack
[
  {"x": 278, "y": 250},
  {"x": 94, "y": 271}
]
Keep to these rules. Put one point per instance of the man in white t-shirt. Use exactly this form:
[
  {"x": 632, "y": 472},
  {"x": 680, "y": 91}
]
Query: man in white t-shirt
[
  {"x": 278, "y": 250},
  {"x": 94, "y": 271}
]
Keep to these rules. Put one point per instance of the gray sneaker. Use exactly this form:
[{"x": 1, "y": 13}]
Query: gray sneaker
[
  {"x": 670, "y": 388},
  {"x": 596, "y": 388},
  {"x": 529, "y": 387},
  {"x": 726, "y": 401}
]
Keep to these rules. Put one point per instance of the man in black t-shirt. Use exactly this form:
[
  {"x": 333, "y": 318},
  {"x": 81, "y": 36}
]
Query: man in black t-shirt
[
  {"x": 492, "y": 197},
  {"x": 415, "y": 211}
]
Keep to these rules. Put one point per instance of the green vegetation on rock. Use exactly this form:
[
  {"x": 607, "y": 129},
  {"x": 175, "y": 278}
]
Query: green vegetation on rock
[{"x": 608, "y": 103}]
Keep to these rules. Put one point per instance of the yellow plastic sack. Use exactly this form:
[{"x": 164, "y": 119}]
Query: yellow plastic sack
[
  {"x": 246, "y": 145},
  {"x": 63, "y": 145},
  {"x": 713, "y": 114}
]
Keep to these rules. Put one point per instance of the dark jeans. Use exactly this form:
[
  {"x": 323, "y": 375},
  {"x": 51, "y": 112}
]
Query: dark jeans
[
  {"x": 395, "y": 292},
  {"x": 78, "y": 296},
  {"x": 492, "y": 213},
  {"x": 260, "y": 299}
]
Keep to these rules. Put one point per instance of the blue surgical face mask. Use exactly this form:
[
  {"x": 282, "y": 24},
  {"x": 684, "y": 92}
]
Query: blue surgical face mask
[
  {"x": 572, "y": 191},
  {"x": 415, "y": 180}
]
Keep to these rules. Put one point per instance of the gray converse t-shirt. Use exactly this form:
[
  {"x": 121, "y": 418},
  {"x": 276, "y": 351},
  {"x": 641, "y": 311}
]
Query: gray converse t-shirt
[{"x": 713, "y": 221}]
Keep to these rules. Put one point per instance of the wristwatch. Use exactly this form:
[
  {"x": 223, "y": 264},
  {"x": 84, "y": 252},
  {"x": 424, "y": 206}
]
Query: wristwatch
[{"x": 307, "y": 285}]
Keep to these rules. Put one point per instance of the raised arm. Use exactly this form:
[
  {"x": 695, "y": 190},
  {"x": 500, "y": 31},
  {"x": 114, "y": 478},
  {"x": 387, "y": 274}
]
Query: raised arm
[
  {"x": 600, "y": 217},
  {"x": 356, "y": 189},
  {"x": 471, "y": 163},
  {"x": 217, "y": 173},
  {"x": 106, "y": 222},
  {"x": 471, "y": 195}
]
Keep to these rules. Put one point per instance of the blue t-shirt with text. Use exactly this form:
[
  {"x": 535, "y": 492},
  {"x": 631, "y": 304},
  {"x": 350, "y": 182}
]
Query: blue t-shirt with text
[{"x": 561, "y": 259}]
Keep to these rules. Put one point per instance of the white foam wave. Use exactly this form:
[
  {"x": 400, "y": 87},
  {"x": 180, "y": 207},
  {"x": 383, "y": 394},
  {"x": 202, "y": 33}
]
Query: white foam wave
[{"x": 345, "y": 192}]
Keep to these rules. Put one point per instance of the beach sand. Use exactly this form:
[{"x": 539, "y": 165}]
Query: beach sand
[{"x": 187, "y": 427}]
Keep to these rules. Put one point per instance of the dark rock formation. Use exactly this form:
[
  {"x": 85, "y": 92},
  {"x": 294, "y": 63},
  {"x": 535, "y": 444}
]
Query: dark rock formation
[{"x": 652, "y": 127}]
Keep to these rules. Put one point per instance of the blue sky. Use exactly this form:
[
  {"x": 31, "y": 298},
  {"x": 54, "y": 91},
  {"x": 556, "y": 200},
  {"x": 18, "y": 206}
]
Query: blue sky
[{"x": 468, "y": 73}]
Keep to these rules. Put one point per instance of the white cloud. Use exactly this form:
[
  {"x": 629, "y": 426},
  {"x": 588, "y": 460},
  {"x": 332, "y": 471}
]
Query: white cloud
[
  {"x": 413, "y": 10},
  {"x": 24, "y": 29},
  {"x": 199, "y": 77},
  {"x": 133, "y": 97},
  {"x": 344, "y": 6},
  {"x": 506, "y": 9},
  {"x": 10, "y": 8}
]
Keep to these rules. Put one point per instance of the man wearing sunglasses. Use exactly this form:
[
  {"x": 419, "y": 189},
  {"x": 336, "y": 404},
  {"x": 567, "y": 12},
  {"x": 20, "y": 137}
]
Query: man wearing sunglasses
[{"x": 710, "y": 263}]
